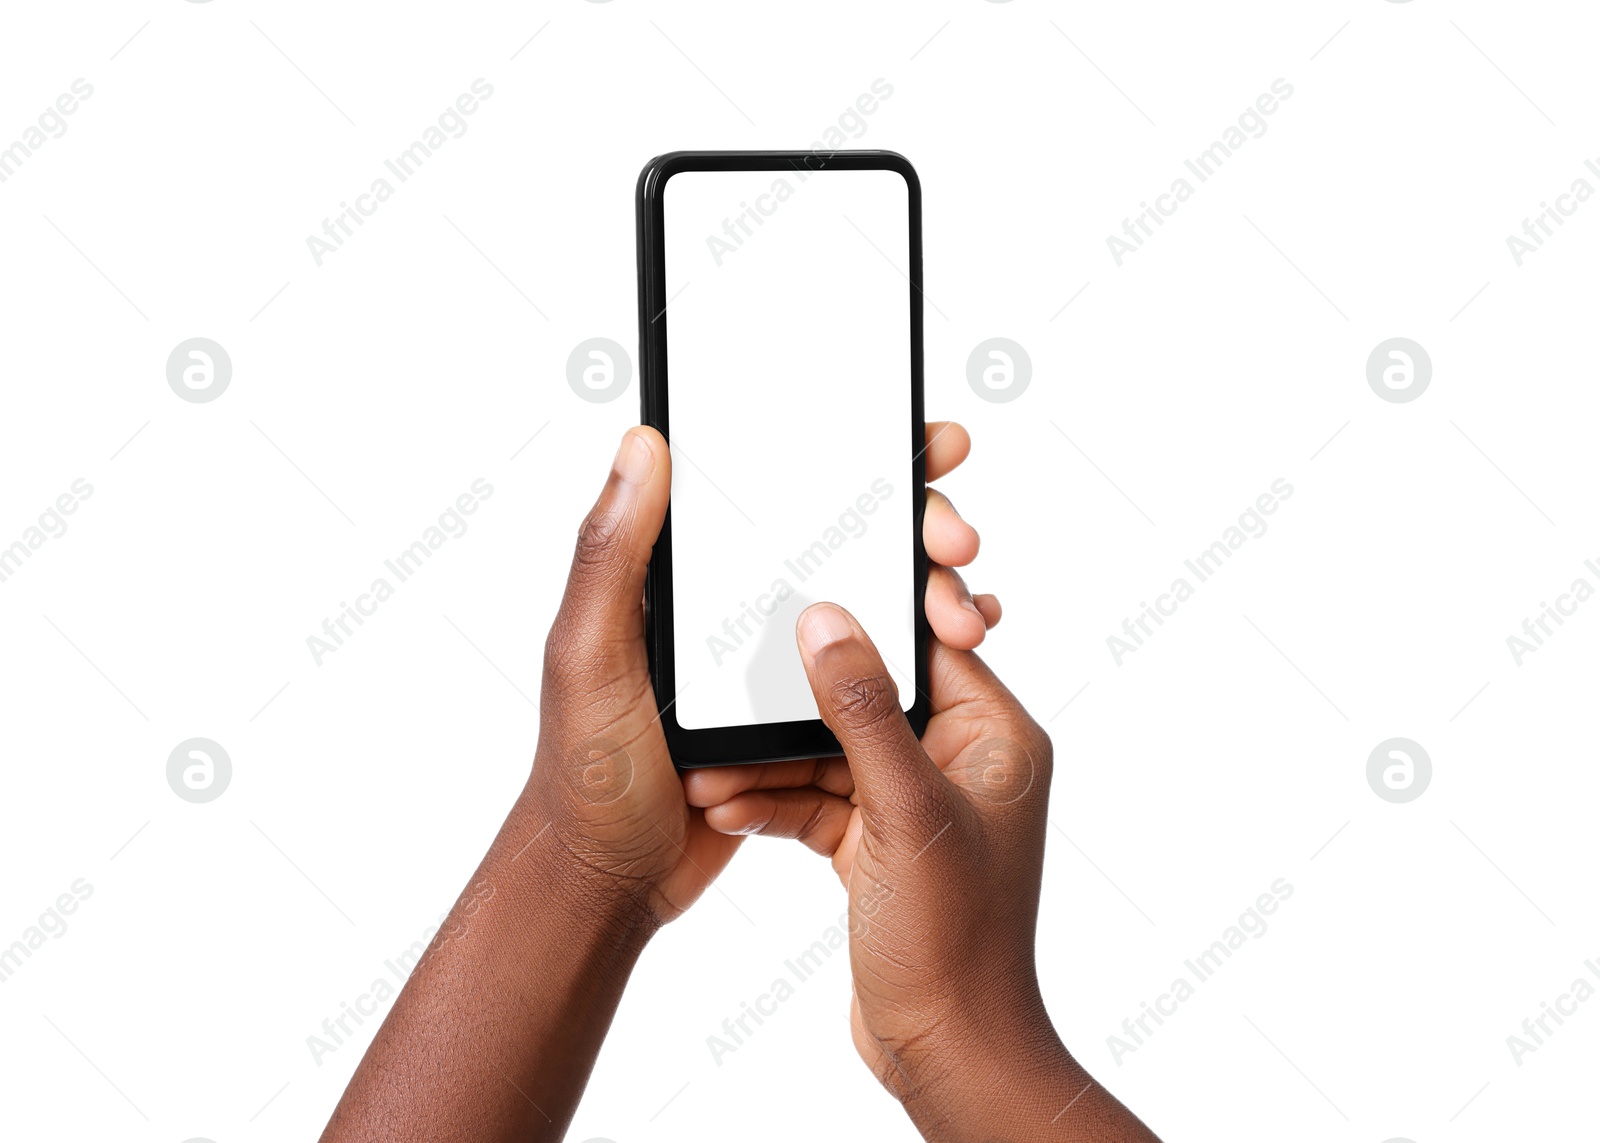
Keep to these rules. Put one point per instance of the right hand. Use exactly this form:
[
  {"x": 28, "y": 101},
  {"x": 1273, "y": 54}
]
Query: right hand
[{"x": 940, "y": 845}]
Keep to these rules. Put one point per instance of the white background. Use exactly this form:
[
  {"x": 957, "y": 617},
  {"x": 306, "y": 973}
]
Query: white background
[
  {"x": 1228, "y": 352},
  {"x": 790, "y": 401}
]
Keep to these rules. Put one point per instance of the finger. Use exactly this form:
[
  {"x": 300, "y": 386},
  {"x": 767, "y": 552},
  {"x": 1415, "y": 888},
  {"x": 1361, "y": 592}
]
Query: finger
[
  {"x": 600, "y": 612},
  {"x": 844, "y": 857},
  {"x": 948, "y": 538},
  {"x": 947, "y": 446},
  {"x": 859, "y": 702},
  {"x": 816, "y": 819},
  {"x": 952, "y": 613},
  {"x": 714, "y": 785},
  {"x": 989, "y": 607}
]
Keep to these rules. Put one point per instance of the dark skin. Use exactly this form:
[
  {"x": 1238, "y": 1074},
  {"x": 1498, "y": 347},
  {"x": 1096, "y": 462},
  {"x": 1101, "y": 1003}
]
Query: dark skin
[{"x": 939, "y": 843}]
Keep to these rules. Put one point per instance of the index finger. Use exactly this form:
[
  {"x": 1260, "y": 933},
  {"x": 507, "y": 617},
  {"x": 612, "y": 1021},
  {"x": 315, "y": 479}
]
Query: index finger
[
  {"x": 947, "y": 445},
  {"x": 714, "y": 785}
]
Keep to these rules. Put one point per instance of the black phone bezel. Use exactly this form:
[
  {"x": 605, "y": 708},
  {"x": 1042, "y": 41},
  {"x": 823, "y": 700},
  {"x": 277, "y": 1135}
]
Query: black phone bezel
[{"x": 778, "y": 741}]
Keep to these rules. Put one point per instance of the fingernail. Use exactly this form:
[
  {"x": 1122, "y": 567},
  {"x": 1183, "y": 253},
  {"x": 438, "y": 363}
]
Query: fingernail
[
  {"x": 635, "y": 462},
  {"x": 821, "y": 625}
]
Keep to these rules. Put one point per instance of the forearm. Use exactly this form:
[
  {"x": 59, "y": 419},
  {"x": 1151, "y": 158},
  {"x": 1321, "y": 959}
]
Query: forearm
[{"x": 496, "y": 1031}]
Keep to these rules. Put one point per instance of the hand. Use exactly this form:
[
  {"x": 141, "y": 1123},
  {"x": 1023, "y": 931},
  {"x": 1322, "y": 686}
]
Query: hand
[
  {"x": 940, "y": 845},
  {"x": 496, "y": 1030},
  {"x": 603, "y": 783}
]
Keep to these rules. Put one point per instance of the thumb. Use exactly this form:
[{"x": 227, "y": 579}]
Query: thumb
[
  {"x": 896, "y": 782},
  {"x": 600, "y": 613}
]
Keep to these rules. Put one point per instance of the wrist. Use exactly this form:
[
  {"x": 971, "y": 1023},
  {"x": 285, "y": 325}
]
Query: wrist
[
  {"x": 541, "y": 856},
  {"x": 968, "y": 1061},
  {"x": 1012, "y": 1078}
]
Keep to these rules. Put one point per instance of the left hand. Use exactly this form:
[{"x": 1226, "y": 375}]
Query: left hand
[{"x": 603, "y": 793}]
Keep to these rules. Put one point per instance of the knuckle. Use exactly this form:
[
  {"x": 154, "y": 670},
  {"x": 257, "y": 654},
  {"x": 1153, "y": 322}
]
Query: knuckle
[
  {"x": 997, "y": 770},
  {"x": 568, "y": 644},
  {"x": 865, "y": 704},
  {"x": 813, "y": 822},
  {"x": 1011, "y": 770},
  {"x": 601, "y": 539},
  {"x": 1040, "y": 749},
  {"x": 577, "y": 666}
]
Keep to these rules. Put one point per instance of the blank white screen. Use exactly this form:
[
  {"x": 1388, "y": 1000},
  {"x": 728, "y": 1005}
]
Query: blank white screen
[{"x": 789, "y": 373}]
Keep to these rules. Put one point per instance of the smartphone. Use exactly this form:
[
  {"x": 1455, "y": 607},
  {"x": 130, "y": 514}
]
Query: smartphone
[{"x": 780, "y": 341}]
